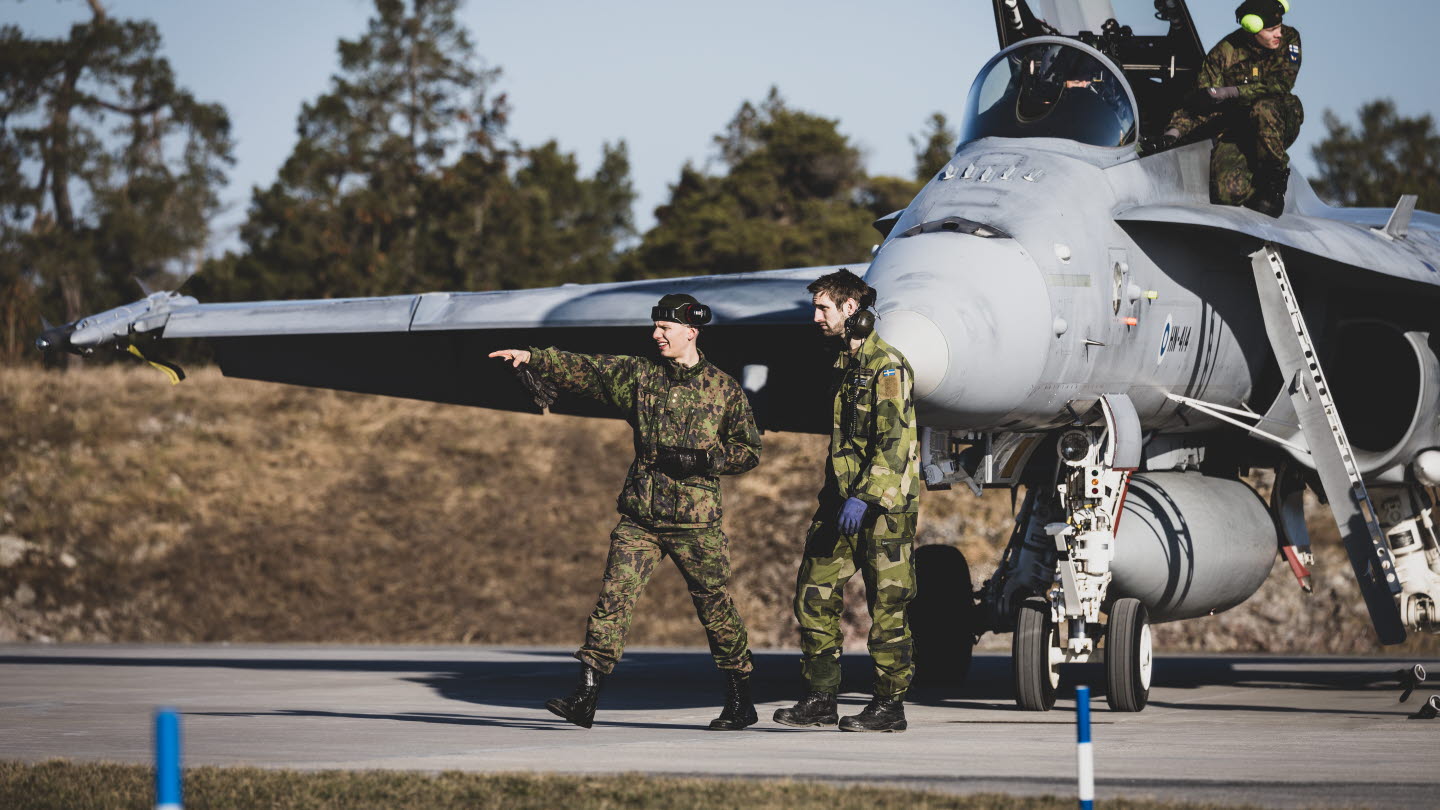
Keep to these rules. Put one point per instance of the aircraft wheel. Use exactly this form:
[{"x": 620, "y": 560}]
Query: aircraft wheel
[
  {"x": 1035, "y": 679},
  {"x": 942, "y": 616},
  {"x": 1128, "y": 657}
]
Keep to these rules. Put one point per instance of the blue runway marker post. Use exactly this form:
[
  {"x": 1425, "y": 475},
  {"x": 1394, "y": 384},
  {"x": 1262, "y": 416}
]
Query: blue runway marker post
[
  {"x": 1085, "y": 757},
  {"x": 167, "y": 759}
]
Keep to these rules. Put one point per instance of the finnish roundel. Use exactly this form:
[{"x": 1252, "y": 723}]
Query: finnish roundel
[{"x": 1164, "y": 340}]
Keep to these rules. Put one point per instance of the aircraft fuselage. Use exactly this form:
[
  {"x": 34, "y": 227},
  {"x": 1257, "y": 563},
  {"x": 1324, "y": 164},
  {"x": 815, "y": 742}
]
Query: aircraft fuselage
[{"x": 1067, "y": 308}]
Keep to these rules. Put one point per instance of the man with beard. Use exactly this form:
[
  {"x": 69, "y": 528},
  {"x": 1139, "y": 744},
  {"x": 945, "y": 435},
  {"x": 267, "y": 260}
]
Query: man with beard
[{"x": 866, "y": 518}]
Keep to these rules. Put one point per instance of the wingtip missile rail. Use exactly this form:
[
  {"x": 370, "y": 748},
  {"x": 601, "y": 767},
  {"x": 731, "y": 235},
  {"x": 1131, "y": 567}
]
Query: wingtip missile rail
[{"x": 87, "y": 334}]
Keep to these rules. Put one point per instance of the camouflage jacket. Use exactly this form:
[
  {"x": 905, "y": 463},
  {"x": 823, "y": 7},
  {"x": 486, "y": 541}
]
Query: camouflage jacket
[
  {"x": 1239, "y": 61},
  {"x": 874, "y": 447},
  {"x": 700, "y": 407}
]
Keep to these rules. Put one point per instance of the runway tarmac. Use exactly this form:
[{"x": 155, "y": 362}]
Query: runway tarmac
[{"x": 1276, "y": 731}]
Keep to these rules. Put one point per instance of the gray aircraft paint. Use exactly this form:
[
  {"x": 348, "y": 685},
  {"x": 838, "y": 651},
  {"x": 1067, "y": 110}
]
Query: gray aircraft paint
[{"x": 770, "y": 297}]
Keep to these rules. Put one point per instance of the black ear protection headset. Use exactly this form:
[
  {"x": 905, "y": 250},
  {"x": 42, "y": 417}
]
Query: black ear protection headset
[
  {"x": 860, "y": 325},
  {"x": 690, "y": 314}
]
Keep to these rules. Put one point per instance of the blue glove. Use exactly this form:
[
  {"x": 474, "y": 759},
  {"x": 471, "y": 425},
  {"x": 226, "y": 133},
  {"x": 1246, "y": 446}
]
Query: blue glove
[{"x": 851, "y": 514}]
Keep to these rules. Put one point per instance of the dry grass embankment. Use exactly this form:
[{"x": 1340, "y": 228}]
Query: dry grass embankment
[
  {"x": 227, "y": 510},
  {"x": 72, "y": 786}
]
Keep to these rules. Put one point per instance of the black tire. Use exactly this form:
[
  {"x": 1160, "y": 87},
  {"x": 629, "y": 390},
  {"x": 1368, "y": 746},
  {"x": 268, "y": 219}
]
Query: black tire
[
  {"x": 942, "y": 617},
  {"x": 1128, "y": 656},
  {"x": 1035, "y": 680}
]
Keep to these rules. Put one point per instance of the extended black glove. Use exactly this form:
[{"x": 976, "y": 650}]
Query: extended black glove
[
  {"x": 541, "y": 390},
  {"x": 1150, "y": 146},
  {"x": 681, "y": 462}
]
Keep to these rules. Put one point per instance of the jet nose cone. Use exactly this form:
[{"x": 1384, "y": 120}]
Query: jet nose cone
[
  {"x": 922, "y": 343},
  {"x": 972, "y": 315}
]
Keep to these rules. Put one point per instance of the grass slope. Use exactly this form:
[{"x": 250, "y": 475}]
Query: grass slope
[
  {"x": 227, "y": 510},
  {"x": 59, "y": 784}
]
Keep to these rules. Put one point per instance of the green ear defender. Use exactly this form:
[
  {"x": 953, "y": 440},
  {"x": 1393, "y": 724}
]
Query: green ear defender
[{"x": 1254, "y": 23}]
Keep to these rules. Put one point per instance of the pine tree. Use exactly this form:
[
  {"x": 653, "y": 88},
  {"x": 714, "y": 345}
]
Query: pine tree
[
  {"x": 791, "y": 196},
  {"x": 403, "y": 180},
  {"x": 346, "y": 215},
  {"x": 933, "y": 147},
  {"x": 1388, "y": 156},
  {"x": 109, "y": 171}
]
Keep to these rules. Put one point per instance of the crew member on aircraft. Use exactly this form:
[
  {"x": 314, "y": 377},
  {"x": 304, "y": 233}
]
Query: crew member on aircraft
[
  {"x": 692, "y": 424},
  {"x": 1245, "y": 101}
]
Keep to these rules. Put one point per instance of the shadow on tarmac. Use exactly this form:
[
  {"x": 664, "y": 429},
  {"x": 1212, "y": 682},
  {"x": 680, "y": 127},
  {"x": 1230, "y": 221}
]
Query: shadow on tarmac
[{"x": 656, "y": 679}]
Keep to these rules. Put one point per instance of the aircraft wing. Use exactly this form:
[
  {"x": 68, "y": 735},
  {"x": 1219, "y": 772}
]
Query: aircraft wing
[
  {"x": 433, "y": 346},
  {"x": 1349, "y": 236}
]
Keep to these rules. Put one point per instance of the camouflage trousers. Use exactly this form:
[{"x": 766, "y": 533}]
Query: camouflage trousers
[
  {"x": 1245, "y": 136},
  {"x": 881, "y": 552},
  {"x": 703, "y": 557}
]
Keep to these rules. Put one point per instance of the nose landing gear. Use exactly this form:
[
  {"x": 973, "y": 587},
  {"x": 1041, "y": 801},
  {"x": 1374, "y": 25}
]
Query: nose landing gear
[{"x": 1056, "y": 574}]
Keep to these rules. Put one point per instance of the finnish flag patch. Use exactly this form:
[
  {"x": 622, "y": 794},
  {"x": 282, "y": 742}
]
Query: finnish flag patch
[{"x": 1295, "y": 54}]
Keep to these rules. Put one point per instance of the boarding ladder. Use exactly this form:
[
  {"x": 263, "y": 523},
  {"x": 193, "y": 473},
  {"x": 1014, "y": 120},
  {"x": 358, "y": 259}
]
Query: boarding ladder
[{"x": 1328, "y": 446}]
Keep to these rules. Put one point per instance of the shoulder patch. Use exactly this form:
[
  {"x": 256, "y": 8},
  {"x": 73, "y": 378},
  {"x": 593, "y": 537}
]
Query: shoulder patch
[
  {"x": 1293, "y": 52},
  {"x": 888, "y": 386}
]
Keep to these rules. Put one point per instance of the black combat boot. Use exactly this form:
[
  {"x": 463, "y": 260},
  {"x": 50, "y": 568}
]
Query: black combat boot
[
  {"x": 882, "y": 714},
  {"x": 739, "y": 710},
  {"x": 579, "y": 708},
  {"x": 1272, "y": 180},
  {"x": 815, "y": 709}
]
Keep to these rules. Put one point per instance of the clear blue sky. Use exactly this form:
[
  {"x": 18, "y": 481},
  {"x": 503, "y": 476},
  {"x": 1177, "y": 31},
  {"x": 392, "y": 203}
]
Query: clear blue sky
[{"x": 666, "y": 75}]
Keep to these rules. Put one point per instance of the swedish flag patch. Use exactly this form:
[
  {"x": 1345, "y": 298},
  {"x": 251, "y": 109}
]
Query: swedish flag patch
[{"x": 889, "y": 385}]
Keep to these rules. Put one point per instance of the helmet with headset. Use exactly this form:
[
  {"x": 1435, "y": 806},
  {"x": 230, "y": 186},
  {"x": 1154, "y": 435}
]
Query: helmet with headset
[{"x": 681, "y": 308}]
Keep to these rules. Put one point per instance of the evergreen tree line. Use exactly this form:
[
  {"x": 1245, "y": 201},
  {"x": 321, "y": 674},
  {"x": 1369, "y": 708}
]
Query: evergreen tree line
[{"x": 403, "y": 179}]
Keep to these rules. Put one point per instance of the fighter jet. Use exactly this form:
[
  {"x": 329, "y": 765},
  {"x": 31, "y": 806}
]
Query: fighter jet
[{"x": 1083, "y": 323}]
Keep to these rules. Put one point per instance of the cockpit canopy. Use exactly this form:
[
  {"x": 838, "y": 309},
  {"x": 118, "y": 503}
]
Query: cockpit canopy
[
  {"x": 1049, "y": 87},
  {"x": 1152, "y": 43}
]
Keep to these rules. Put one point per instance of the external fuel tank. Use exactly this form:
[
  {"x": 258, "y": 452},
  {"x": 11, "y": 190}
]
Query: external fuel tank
[{"x": 1190, "y": 545}]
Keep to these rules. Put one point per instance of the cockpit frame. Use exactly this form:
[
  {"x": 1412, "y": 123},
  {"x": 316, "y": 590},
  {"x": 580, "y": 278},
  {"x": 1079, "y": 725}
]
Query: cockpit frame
[
  {"x": 1065, "y": 42},
  {"x": 1161, "y": 68}
]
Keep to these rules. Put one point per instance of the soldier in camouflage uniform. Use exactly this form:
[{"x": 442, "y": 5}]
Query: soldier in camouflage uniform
[
  {"x": 1245, "y": 101},
  {"x": 866, "y": 517},
  {"x": 692, "y": 424}
]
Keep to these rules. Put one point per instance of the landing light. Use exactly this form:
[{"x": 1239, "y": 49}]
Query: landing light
[{"x": 1074, "y": 446}]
